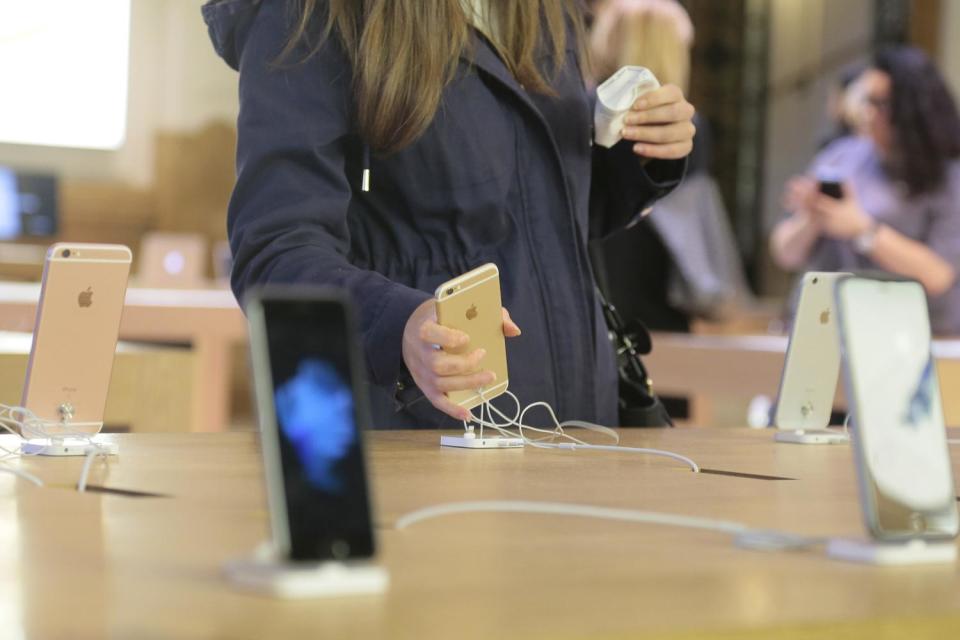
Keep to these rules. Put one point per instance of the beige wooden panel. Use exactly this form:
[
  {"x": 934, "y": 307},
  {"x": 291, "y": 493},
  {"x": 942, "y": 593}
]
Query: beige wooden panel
[
  {"x": 729, "y": 370},
  {"x": 949, "y": 373},
  {"x": 151, "y": 388}
]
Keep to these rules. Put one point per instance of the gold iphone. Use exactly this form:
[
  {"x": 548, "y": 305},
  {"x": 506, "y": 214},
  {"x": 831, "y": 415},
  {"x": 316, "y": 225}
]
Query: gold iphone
[
  {"x": 471, "y": 303},
  {"x": 75, "y": 336}
]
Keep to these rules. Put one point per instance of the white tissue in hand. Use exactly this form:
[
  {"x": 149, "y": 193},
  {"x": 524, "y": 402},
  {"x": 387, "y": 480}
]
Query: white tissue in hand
[{"x": 614, "y": 98}]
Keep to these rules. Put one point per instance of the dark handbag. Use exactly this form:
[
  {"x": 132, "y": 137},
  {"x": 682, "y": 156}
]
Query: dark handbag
[{"x": 638, "y": 404}]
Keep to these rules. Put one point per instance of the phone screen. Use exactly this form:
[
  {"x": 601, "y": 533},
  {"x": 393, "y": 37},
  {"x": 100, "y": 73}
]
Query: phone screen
[
  {"x": 318, "y": 418},
  {"x": 895, "y": 397}
]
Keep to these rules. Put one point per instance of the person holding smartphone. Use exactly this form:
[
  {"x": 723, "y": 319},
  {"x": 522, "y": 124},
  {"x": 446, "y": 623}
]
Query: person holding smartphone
[
  {"x": 387, "y": 146},
  {"x": 888, "y": 199}
]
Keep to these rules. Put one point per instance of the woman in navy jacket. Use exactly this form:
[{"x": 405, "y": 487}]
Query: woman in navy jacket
[{"x": 501, "y": 174}]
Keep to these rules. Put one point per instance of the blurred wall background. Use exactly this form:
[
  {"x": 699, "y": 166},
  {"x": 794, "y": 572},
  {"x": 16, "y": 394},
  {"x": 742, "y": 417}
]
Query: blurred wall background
[
  {"x": 174, "y": 170},
  {"x": 761, "y": 71},
  {"x": 949, "y": 24},
  {"x": 176, "y": 84}
]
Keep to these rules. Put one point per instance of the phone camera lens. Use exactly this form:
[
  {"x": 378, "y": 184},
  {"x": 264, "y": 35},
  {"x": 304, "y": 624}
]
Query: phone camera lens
[
  {"x": 450, "y": 291},
  {"x": 66, "y": 253},
  {"x": 815, "y": 280}
]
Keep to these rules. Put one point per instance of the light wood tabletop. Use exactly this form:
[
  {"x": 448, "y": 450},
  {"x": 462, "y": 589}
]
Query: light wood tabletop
[
  {"x": 98, "y": 565},
  {"x": 207, "y": 319}
]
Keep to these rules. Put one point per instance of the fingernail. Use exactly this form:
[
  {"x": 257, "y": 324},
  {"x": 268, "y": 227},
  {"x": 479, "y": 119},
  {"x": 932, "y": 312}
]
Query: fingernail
[
  {"x": 639, "y": 148},
  {"x": 491, "y": 377},
  {"x": 641, "y": 103},
  {"x": 482, "y": 352}
]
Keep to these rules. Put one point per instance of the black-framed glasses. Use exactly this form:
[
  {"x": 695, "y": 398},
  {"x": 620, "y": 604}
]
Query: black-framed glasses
[{"x": 880, "y": 103}]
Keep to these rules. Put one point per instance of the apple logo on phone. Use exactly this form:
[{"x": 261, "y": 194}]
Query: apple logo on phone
[
  {"x": 85, "y": 299},
  {"x": 825, "y": 316},
  {"x": 472, "y": 312}
]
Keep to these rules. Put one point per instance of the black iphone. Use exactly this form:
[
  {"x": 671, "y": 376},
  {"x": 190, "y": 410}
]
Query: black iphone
[
  {"x": 312, "y": 409},
  {"x": 831, "y": 188}
]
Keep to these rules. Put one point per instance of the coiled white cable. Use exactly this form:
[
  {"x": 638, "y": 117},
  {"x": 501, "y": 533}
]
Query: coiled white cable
[
  {"x": 25, "y": 424},
  {"x": 22, "y": 422},
  {"x": 558, "y": 431}
]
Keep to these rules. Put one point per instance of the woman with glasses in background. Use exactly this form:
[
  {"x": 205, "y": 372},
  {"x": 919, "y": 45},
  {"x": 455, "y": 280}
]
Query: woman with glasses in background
[{"x": 898, "y": 208}]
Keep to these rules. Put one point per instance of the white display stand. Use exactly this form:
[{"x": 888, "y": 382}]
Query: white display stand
[
  {"x": 67, "y": 447},
  {"x": 470, "y": 441},
  {"x": 811, "y": 436},
  {"x": 908, "y": 552},
  {"x": 264, "y": 573}
]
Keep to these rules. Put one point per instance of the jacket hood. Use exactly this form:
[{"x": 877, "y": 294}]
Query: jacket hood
[{"x": 228, "y": 23}]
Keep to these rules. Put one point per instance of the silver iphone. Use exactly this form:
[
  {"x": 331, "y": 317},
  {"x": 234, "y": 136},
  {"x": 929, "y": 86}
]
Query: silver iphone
[
  {"x": 890, "y": 377},
  {"x": 812, "y": 365}
]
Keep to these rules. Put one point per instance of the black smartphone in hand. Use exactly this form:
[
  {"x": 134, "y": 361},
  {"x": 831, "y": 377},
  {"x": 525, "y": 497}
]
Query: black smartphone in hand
[
  {"x": 312, "y": 409},
  {"x": 832, "y": 188}
]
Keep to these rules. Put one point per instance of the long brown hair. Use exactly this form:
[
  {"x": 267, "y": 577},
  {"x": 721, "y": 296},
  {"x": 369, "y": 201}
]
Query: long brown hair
[{"x": 404, "y": 52}]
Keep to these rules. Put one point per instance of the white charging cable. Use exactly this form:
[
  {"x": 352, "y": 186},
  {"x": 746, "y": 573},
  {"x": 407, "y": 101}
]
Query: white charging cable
[
  {"x": 92, "y": 453},
  {"x": 20, "y": 473},
  {"x": 744, "y": 536},
  {"x": 558, "y": 431}
]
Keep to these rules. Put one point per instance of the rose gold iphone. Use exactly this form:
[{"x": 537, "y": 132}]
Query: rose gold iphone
[
  {"x": 471, "y": 303},
  {"x": 75, "y": 336}
]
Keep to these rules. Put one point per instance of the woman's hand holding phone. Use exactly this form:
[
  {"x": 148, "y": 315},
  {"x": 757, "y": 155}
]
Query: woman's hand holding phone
[
  {"x": 427, "y": 347},
  {"x": 834, "y": 216},
  {"x": 842, "y": 218}
]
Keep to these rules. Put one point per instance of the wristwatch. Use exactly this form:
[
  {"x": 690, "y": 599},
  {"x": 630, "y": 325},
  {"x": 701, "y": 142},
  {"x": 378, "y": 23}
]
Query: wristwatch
[{"x": 863, "y": 243}]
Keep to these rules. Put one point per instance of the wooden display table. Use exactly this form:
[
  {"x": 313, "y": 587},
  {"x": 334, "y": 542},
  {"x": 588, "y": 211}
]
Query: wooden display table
[{"x": 101, "y": 565}]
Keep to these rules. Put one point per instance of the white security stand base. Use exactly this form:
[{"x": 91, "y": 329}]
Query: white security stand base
[
  {"x": 67, "y": 447},
  {"x": 811, "y": 436},
  {"x": 470, "y": 441},
  {"x": 914, "y": 551},
  {"x": 283, "y": 579}
]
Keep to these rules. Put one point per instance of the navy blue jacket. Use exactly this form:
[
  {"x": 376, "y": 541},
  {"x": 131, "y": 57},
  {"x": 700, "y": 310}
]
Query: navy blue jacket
[{"x": 501, "y": 175}]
